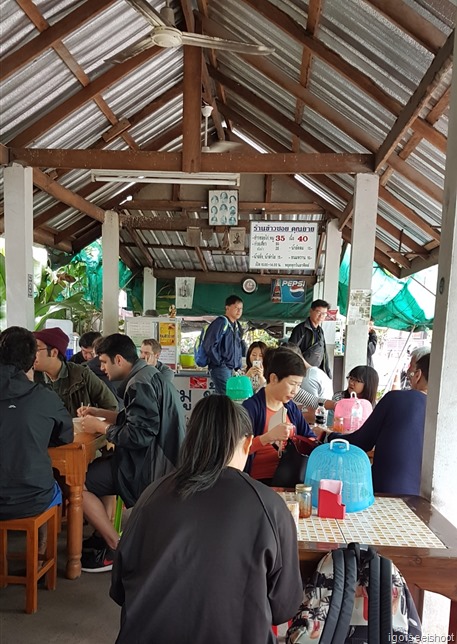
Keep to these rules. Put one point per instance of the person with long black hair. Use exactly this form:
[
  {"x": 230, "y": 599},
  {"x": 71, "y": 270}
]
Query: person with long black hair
[{"x": 209, "y": 554}]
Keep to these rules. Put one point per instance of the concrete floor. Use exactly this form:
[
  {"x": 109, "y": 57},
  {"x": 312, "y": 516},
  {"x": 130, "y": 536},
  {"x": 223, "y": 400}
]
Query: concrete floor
[{"x": 77, "y": 612}]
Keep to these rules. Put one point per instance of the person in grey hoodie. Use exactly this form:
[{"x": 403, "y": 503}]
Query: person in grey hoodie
[
  {"x": 147, "y": 435},
  {"x": 32, "y": 418}
]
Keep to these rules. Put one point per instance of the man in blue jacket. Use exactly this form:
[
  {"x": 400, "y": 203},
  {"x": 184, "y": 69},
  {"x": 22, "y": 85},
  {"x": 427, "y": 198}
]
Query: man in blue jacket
[{"x": 223, "y": 343}]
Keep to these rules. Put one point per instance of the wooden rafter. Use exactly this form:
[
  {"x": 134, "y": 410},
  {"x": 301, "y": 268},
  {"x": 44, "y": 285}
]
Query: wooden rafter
[
  {"x": 50, "y": 35},
  {"x": 411, "y": 22},
  {"x": 192, "y": 101},
  {"x": 334, "y": 60},
  {"x": 206, "y": 81},
  {"x": 314, "y": 13},
  {"x": 86, "y": 94},
  {"x": 141, "y": 247},
  {"x": 418, "y": 100},
  {"x": 252, "y": 163},
  {"x": 270, "y": 111},
  {"x": 61, "y": 193},
  {"x": 243, "y": 206}
]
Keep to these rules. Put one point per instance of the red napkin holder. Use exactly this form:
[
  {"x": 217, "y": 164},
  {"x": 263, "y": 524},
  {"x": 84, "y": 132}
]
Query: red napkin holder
[{"x": 329, "y": 505}]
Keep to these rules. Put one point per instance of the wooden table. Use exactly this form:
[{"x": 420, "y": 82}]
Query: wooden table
[
  {"x": 72, "y": 462},
  {"x": 433, "y": 569}
]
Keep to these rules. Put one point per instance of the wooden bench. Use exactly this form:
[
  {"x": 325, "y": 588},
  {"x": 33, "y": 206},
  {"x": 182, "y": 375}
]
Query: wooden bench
[{"x": 36, "y": 565}]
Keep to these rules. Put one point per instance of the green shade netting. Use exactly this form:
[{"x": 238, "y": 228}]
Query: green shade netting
[
  {"x": 396, "y": 303},
  {"x": 392, "y": 305},
  {"x": 209, "y": 299}
]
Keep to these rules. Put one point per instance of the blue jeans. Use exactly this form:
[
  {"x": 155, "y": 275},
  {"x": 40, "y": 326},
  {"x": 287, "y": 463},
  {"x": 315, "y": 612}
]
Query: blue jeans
[{"x": 219, "y": 376}]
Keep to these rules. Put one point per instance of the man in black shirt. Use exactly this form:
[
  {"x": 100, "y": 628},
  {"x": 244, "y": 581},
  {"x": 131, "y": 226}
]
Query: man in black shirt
[{"x": 309, "y": 337}]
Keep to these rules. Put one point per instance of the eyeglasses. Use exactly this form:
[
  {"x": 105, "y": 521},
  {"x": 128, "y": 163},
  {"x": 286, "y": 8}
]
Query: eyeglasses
[{"x": 354, "y": 379}]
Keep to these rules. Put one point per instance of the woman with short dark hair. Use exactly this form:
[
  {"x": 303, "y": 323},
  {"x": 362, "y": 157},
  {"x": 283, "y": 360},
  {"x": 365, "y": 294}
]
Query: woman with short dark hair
[
  {"x": 284, "y": 370},
  {"x": 208, "y": 554}
]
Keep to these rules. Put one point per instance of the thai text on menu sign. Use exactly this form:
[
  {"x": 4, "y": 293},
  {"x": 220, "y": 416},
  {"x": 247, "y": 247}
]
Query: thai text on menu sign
[{"x": 283, "y": 245}]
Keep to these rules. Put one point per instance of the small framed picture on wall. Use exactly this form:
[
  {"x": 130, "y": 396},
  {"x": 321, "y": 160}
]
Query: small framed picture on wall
[{"x": 223, "y": 207}]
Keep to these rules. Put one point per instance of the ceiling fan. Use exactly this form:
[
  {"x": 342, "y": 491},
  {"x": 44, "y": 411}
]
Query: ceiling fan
[
  {"x": 165, "y": 34},
  {"x": 218, "y": 146}
]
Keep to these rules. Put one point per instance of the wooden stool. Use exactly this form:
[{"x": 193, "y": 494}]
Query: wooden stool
[{"x": 33, "y": 573}]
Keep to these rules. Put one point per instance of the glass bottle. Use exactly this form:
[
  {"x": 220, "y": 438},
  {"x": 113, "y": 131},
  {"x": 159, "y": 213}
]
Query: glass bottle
[
  {"x": 303, "y": 495},
  {"x": 321, "y": 414}
]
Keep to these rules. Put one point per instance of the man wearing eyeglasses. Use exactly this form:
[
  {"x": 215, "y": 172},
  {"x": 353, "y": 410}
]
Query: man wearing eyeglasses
[{"x": 309, "y": 337}]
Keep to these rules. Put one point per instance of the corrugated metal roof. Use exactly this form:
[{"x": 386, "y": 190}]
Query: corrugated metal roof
[{"x": 354, "y": 32}]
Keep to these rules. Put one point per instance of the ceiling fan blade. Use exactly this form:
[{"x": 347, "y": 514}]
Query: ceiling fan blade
[
  {"x": 130, "y": 52},
  {"x": 148, "y": 12},
  {"x": 212, "y": 42},
  {"x": 225, "y": 146}
]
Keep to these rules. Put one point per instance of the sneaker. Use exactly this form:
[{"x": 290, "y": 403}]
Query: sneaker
[
  {"x": 97, "y": 560},
  {"x": 94, "y": 542}
]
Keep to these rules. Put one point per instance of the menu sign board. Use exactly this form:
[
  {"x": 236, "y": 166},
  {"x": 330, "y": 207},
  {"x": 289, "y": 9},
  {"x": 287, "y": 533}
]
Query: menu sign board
[{"x": 282, "y": 245}]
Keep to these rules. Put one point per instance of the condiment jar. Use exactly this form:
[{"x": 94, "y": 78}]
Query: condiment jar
[{"x": 303, "y": 494}]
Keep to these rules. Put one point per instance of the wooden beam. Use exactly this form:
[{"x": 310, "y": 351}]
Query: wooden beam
[
  {"x": 418, "y": 100},
  {"x": 216, "y": 277},
  {"x": 87, "y": 238},
  {"x": 248, "y": 163},
  {"x": 269, "y": 110},
  {"x": 201, "y": 258},
  {"x": 417, "y": 178},
  {"x": 243, "y": 206},
  {"x": 128, "y": 259},
  {"x": 141, "y": 247},
  {"x": 314, "y": 14},
  {"x": 441, "y": 105},
  {"x": 282, "y": 20},
  {"x": 273, "y": 73},
  {"x": 4, "y": 155},
  {"x": 53, "y": 188},
  {"x": 411, "y": 22},
  {"x": 33, "y": 13},
  {"x": 51, "y": 35},
  {"x": 192, "y": 102},
  {"x": 86, "y": 94},
  {"x": 45, "y": 238},
  {"x": 66, "y": 233},
  {"x": 408, "y": 212}
]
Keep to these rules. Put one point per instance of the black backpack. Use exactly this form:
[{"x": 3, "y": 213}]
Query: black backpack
[{"x": 355, "y": 597}]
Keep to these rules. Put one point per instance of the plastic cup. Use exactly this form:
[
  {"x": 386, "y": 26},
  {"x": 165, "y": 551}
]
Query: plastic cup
[
  {"x": 77, "y": 425},
  {"x": 338, "y": 424},
  {"x": 294, "y": 510}
]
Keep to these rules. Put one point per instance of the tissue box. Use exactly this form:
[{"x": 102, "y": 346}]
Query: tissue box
[{"x": 329, "y": 505}]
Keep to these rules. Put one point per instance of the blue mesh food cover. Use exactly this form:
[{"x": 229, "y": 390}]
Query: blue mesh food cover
[{"x": 338, "y": 460}]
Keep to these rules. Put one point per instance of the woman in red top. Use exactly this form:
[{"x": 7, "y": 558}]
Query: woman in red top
[{"x": 273, "y": 413}]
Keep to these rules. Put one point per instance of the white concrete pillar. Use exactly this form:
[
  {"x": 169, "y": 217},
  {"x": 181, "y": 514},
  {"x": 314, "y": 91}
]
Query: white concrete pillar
[
  {"x": 149, "y": 290},
  {"x": 361, "y": 267},
  {"x": 439, "y": 472},
  {"x": 110, "y": 246},
  {"x": 18, "y": 190},
  {"x": 331, "y": 279}
]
